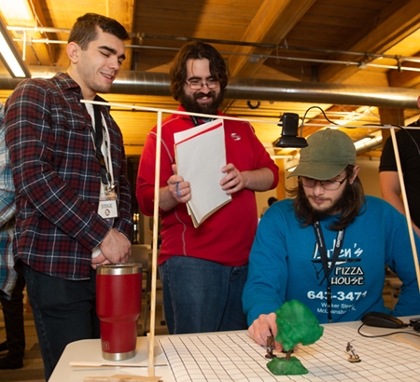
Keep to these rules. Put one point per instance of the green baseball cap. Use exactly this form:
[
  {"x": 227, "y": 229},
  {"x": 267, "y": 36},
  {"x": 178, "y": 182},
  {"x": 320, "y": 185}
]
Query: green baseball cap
[{"x": 328, "y": 153}]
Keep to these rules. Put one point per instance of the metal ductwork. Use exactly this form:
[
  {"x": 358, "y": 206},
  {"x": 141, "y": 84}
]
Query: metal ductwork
[
  {"x": 157, "y": 84},
  {"x": 294, "y": 91}
]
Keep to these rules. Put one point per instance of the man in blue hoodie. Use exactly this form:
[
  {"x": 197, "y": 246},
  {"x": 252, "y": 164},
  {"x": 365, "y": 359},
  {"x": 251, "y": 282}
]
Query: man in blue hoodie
[{"x": 328, "y": 246}]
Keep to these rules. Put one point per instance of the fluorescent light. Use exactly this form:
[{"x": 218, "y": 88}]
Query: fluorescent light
[
  {"x": 17, "y": 12},
  {"x": 369, "y": 142},
  {"x": 362, "y": 142},
  {"x": 10, "y": 56}
]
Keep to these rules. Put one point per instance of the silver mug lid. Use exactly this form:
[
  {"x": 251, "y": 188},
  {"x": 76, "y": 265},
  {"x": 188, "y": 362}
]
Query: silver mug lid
[{"x": 119, "y": 269}]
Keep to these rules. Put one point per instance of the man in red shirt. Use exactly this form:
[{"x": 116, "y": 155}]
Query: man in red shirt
[{"x": 204, "y": 269}]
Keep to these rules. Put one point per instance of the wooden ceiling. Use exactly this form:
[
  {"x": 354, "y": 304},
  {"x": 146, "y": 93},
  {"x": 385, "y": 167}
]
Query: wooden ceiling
[{"x": 369, "y": 44}]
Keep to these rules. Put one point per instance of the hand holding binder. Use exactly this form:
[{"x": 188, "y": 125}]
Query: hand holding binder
[{"x": 200, "y": 155}]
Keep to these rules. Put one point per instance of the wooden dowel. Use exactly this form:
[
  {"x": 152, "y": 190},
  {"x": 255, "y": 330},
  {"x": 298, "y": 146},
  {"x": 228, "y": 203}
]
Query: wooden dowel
[{"x": 151, "y": 359}]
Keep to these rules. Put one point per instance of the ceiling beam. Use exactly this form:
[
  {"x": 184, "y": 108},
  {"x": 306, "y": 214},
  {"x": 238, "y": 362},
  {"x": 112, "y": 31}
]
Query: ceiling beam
[
  {"x": 398, "y": 24},
  {"x": 271, "y": 24},
  {"x": 405, "y": 79},
  {"x": 123, "y": 11},
  {"x": 27, "y": 13}
]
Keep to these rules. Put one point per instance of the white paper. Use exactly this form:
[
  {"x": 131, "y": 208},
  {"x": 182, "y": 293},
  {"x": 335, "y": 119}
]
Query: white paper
[{"x": 200, "y": 156}]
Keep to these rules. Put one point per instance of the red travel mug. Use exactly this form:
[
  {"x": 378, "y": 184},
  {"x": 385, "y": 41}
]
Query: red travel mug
[{"x": 118, "y": 305}]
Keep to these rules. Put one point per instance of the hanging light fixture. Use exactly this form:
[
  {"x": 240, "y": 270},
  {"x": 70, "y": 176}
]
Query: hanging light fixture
[
  {"x": 289, "y": 138},
  {"x": 10, "y": 56}
]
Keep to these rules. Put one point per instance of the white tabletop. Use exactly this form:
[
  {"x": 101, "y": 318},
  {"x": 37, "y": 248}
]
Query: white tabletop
[
  {"x": 86, "y": 352},
  {"x": 398, "y": 354}
]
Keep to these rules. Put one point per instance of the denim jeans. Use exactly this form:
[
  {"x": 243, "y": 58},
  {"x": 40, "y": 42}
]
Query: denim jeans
[
  {"x": 64, "y": 311},
  {"x": 202, "y": 296}
]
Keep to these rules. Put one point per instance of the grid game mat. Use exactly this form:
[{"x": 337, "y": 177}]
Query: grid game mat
[{"x": 236, "y": 357}]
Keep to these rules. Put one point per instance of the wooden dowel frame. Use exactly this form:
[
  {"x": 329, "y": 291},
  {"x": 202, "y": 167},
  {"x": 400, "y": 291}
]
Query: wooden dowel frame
[{"x": 160, "y": 112}]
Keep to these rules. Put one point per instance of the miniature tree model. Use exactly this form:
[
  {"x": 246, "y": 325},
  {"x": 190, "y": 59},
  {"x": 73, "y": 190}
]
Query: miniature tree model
[{"x": 295, "y": 324}]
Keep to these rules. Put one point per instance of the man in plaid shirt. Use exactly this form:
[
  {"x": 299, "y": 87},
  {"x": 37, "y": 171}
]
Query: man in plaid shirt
[{"x": 68, "y": 161}]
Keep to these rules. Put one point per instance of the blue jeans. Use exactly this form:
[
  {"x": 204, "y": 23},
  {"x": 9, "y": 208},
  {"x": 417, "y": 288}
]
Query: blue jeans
[
  {"x": 202, "y": 296},
  {"x": 64, "y": 311}
]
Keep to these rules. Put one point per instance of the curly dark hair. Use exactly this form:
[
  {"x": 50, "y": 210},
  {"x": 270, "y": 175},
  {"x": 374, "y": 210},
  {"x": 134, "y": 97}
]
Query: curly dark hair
[
  {"x": 84, "y": 30},
  {"x": 350, "y": 203},
  {"x": 197, "y": 50}
]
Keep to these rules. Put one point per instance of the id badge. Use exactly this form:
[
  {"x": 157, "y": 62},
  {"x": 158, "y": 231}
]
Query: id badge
[{"x": 107, "y": 208}]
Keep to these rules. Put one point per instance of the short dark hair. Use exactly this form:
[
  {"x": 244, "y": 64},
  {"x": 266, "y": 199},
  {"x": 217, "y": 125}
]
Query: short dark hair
[
  {"x": 351, "y": 203},
  {"x": 197, "y": 50},
  {"x": 84, "y": 30}
]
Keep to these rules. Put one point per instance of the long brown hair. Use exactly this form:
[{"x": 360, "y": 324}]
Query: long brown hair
[
  {"x": 197, "y": 50},
  {"x": 350, "y": 204}
]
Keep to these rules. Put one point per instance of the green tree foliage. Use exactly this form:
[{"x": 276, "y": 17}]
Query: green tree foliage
[{"x": 295, "y": 324}]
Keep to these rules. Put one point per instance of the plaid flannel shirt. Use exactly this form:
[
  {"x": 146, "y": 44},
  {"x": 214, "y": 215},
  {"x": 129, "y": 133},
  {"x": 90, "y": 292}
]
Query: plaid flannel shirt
[
  {"x": 7, "y": 211},
  {"x": 57, "y": 177}
]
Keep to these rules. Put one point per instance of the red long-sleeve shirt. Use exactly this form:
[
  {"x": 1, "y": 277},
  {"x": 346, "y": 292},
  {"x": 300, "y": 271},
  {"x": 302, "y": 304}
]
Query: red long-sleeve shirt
[{"x": 227, "y": 235}]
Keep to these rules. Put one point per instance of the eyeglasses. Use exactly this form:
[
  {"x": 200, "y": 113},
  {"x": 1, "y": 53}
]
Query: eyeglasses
[
  {"x": 329, "y": 185},
  {"x": 197, "y": 84}
]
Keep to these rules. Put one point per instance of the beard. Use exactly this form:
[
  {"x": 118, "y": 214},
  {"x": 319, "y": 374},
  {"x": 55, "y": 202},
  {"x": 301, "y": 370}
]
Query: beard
[
  {"x": 338, "y": 206},
  {"x": 319, "y": 212},
  {"x": 191, "y": 105},
  {"x": 348, "y": 205}
]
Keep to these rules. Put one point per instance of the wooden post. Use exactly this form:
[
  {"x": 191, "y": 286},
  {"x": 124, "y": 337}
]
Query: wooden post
[
  {"x": 151, "y": 359},
  {"x": 390, "y": 117}
]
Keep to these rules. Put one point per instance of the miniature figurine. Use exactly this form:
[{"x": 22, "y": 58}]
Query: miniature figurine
[
  {"x": 353, "y": 357},
  {"x": 270, "y": 347}
]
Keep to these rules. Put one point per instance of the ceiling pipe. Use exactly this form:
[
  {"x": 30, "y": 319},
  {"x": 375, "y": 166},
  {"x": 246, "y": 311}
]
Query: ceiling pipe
[
  {"x": 295, "y": 91},
  {"x": 157, "y": 84},
  {"x": 285, "y": 47},
  {"x": 363, "y": 64},
  {"x": 146, "y": 83}
]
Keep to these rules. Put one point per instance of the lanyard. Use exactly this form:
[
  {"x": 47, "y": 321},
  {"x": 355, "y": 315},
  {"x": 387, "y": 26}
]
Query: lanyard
[
  {"x": 324, "y": 259},
  {"x": 98, "y": 139},
  {"x": 197, "y": 122}
]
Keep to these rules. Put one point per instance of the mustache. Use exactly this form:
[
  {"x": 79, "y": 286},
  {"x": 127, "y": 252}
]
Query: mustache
[
  {"x": 210, "y": 94},
  {"x": 317, "y": 197}
]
